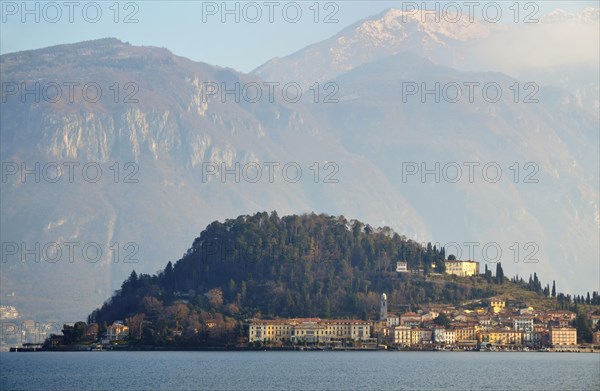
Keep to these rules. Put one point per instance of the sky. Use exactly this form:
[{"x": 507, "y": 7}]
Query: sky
[{"x": 196, "y": 30}]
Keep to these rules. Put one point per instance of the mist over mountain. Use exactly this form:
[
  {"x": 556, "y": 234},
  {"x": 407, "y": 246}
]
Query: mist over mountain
[
  {"x": 390, "y": 32},
  {"x": 560, "y": 48},
  {"x": 168, "y": 128},
  {"x": 545, "y": 120}
]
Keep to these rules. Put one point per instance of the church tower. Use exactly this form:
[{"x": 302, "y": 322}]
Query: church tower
[{"x": 383, "y": 307}]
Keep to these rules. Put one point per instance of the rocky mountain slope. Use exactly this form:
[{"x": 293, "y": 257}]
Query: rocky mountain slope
[
  {"x": 168, "y": 130},
  {"x": 158, "y": 147}
]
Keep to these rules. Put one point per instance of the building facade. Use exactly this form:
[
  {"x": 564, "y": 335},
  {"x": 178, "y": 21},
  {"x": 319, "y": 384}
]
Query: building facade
[
  {"x": 410, "y": 319},
  {"x": 523, "y": 323},
  {"x": 563, "y": 336},
  {"x": 117, "y": 331},
  {"x": 392, "y": 320},
  {"x": 502, "y": 337},
  {"x": 462, "y": 268},
  {"x": 310, "y": 330},
  {"x": 402, "y": 336},
  {"x": 497, "y": 304}
]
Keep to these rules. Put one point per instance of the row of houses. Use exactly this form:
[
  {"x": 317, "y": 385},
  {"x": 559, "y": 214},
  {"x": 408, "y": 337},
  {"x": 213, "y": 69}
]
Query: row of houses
[
  {"x": 465, "y": 337},
  {"x": 496, "y": 324},
  {"x": 316, "y": 330}
]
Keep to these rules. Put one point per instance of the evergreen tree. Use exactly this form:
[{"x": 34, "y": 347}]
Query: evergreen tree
[
  {"x": 588, "y": 300},
  {"x": 169, "y": 276},
  {"x": 584, "y": 328},
  {"x": 536, "y": 283},
  {"x": 553, "y": 288},
  {"x": 499, "y": 274}
]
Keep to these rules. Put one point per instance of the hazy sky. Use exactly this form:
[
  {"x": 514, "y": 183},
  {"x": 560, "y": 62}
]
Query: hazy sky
[{"x": 194, "y": 29}]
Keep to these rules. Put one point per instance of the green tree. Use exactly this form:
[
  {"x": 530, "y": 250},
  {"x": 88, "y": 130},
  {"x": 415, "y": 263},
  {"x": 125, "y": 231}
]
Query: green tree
[
  {"x": 584, "y": 328},
  {"x": 74, "y": 334},
  {"x": 442, "y": 320},
  {"x": 169, "y": 276},
  {"x": 499, "y": 273}
]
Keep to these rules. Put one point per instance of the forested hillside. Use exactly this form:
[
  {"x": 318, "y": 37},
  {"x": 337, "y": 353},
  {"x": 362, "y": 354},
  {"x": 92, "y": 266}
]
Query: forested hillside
[{"x": 294, "y": 266}]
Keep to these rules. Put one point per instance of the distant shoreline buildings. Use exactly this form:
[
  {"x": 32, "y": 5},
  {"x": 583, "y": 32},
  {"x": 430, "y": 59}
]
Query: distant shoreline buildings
[
  {"x": 309, "y": 330},
  {"x": 497, "y": 326}
]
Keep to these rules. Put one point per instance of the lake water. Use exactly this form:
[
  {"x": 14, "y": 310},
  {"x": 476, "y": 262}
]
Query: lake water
[{"x": 299, "y": 371}]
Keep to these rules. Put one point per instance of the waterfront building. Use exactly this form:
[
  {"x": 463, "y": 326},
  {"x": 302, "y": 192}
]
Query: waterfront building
[
  {"x": 523, "y": 323},
  {"x": 502, "y": 337},
  {"x": 563, "y": 336},
  {"x": 411, "y": 319},
  {"x": 402, "y": 336},
  {"x": 117, "y": 331},
  {"x": 310, "y": 330}
]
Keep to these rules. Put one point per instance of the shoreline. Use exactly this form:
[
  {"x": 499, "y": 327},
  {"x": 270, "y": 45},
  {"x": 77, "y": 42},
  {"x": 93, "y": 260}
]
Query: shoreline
[{"x": 83, "y": 348}]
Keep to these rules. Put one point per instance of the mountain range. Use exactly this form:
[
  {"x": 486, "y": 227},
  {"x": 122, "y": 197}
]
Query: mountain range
[{"x": 169, "y": 135}]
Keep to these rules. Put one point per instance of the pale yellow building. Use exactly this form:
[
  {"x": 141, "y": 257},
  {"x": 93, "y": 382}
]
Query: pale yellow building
[
  {"x": 353, "y": 329},
  {"x": 463, "y": 334},
  {"x": 563, "y": 336},
  {"x": 450, "y": 337},
  {"x": 596, "y": 338},
  {"x": 462, "y": 268},
  {"x": 416, "y": 337},
  {"x": 308, "y": 329},
  {"x": 269, "y": 330},
  {"x": 502, "y": 337},
  {"x": 402, "y": 336},
  {"x": 497, "y": 304},
  {"x": 117, "y": 331}
]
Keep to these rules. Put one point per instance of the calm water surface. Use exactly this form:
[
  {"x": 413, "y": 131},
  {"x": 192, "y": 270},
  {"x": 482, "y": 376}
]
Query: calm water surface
[{"x": 299, "y": 371}]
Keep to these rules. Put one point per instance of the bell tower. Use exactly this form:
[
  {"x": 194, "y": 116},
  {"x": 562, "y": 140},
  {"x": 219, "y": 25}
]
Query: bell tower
[{"x": 383, "y": 307}]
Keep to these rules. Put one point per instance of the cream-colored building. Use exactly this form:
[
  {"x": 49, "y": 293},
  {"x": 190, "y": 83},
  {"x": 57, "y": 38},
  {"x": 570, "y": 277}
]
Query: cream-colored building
[
  {"x": 462, "y": 268},
  {"x": 465, "y": 334},
  {"x": 117, "y": 331},
  {"x": 416, "y": 337},
  {"x": 356, "y": 330},
  {"x": 402, "y": 267},
  {"x": 308, "y": 329},
  {"x": 523, "y": 323},
  {"x": 392, "y": 320},
  {"x": 563, "y": 336},
  {"x": 311, "y": 332},
  {"x": 402, "y": 336},
  {"x": 269, "y": 330},
  {"x": 502, "y": 337},
  {"x": 450, "y": 337}
]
